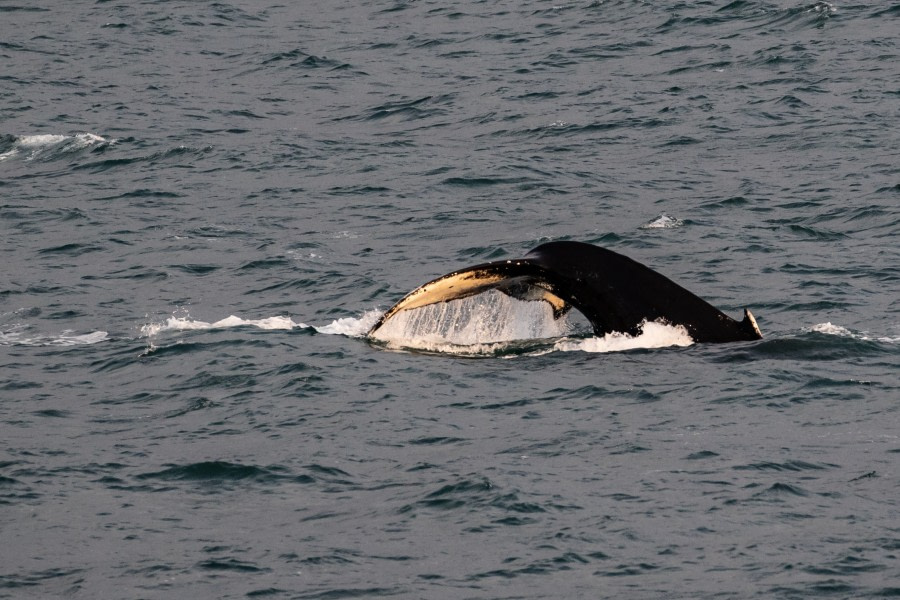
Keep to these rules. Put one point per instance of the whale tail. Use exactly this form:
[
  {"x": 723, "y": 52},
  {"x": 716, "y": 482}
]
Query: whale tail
[
  {"x": 614, "y": 292},
  {"x": 750, "y": 327}
]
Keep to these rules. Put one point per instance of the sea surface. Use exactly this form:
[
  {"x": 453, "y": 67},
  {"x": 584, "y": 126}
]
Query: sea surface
[{"x": 204, "y": 206}]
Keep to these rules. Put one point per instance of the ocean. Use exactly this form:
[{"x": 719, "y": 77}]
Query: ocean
[{"x": 205, "y": 206}]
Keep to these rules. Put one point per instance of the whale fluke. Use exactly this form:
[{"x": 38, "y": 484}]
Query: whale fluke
[{"x": 614, "y": 292}]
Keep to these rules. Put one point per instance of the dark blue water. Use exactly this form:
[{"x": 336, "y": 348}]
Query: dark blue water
[{"x": 204, "y": 205}]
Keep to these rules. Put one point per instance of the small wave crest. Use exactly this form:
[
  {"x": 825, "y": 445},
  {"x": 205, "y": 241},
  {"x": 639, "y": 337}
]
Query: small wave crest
[
  {"x": 188, "y": 324},
  {"x": 20, "y": 335},
  {"x": 348, "y": 326},
  {"x": 42, "y": 146},
  {"x": 663, "y": 221},
  {"x": 823, "y": 8},
  {"x": 829, "y": 328}
]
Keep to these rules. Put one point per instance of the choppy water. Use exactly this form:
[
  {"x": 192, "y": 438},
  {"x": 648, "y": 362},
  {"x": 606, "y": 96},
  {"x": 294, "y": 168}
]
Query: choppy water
[{"x": 205, "y": 205}]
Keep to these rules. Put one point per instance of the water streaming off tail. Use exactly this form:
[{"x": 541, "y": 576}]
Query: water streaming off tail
[{"x": 488, "y": 318}]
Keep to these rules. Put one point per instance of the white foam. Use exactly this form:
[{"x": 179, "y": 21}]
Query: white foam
[
  {"x": 34, "y": 146},
  {"x": 653, "y": 335},
  {"x": 824, "y": 8},
  {"x": 68, "y": 339},
  {"x": 19, "y": 335},
  {"x": 350, "y": 326},
  {"x": 663, "y": 221},
  {"x": 493, "y": 322},
  {"x": 828, "y": 328},
  {"x": 486, "y": 324},
  {"x": 188, "y": 324},
  {"x": 40, "y": 141}
]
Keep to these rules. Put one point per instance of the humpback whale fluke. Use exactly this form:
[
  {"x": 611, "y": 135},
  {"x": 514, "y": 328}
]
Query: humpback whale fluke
[{"x": 614, "y": 292}]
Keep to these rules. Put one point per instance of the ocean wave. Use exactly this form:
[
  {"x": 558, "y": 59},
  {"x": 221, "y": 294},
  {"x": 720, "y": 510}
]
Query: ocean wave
[
  {"x": 348, "y": 326},
  {"x": 188, "y": 324},
  {"x": 663, "y": 221},
  {"x": 19, "y": 335},
  {"x": 49, "y": 146},
  {"x": 829, "y": 328}
]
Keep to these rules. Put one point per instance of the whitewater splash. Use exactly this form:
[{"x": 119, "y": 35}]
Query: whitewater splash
[
  {"x": 20, "y": 335},
  {"x": 663, "y": 221},
  {"x": 488, "y": 324},
  {"x": 829, "y": 328},
  {"x": 823, "y": 8},
  {"x": 492, "y": 323},
  {"x": 351, "y": 327},
  {"x": 653, "y": 335},
  {"x": 527, "y": 327},
  {"x": 31, "y": 147},
  {"x": 188, "y": 324}
]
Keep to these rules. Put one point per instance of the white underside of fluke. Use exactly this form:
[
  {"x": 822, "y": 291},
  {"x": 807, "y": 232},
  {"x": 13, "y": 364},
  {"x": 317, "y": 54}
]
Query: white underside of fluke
[{"x": 489, "y": 317}]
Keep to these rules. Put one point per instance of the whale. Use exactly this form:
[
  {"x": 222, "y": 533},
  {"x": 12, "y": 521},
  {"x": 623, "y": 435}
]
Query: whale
[{"x": 614, "y": 292}]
